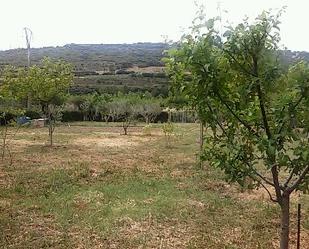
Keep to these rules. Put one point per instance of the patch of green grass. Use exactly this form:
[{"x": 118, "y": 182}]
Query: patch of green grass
[
  {"x": 67, "y": 199},
  {"x": 74, "y": 199}
]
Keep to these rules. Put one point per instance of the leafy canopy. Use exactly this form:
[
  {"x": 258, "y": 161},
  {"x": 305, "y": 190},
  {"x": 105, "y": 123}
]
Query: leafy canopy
[
  {"x": 44, "y": 84},
  {"x": 258, "y": 111}
]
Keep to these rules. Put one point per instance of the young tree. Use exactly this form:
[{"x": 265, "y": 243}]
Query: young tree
[
  {"x": 49, "y": 86},
  {"x": 8, "y": 129},
  {"x": 257, "y": 111},
  {"x": 9, "y": 109},
  {"x": 127, "y": 109},
  {"x": 46, "y": 85}
]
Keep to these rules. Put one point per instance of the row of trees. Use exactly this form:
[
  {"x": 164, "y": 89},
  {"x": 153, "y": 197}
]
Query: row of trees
[
  {"x": 113, "y": 107},
  {"x": 258, "y": 110}
]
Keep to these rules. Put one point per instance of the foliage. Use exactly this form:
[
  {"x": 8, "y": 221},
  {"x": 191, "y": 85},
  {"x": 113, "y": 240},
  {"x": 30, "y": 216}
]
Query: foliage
[
  {"x": 126, "y": 108},
  {"x": 91, "y": 105},
  {"x": 257, "y": 110},
  {"x": 46, "y": 85},
  {"x": 9, "y": 110},
  {"x": 149, "y": 108},
  {"x": 168, "y": 130},
  {"x": 147, "y": 130}
]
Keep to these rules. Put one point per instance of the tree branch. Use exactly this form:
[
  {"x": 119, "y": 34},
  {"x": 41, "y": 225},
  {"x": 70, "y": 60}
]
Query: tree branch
[
  {"x": 298, "y": 181},
  {"x": 270, "y": 196},
  {"x": 261, "y": 176},
  {"x": 233, "y": 113},
  {"x": 217, "y": 121},
  {"x": 274, "y": 171},
  {"x": 264, "y": 179},
  {"x": 290, "y": 177},
  {"x": 296, "y": 104},
  {"x": 237, "y": 62},
  {"x": 263, "y": 111},
  {"x": 237, "y": 117}
]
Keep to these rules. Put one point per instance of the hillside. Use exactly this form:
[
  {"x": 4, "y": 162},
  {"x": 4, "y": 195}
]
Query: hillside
[
  {"x": 113, "y": 67},
  {"x": 92, "y": 57},
  {"x": 104, "y": 67}
]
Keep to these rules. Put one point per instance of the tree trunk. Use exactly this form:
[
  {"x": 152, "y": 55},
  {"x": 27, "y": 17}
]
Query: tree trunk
[
  {"x": 50, "y": 132},
  {"x": 125, "y": 130},
  {"x": 201, "y": 142},
  {"x": 169, "y": 117},
  {"x": 5, "y": 131},
  {"x": 50, "y": 127},
  {"x": 201, "y": 136},
  {"x": 28, "y": 101},
  {"x": 285, "y": 222}
]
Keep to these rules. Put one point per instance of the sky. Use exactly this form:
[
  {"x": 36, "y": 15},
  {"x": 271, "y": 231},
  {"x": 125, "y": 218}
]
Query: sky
[{"x": 60, "y": 22}]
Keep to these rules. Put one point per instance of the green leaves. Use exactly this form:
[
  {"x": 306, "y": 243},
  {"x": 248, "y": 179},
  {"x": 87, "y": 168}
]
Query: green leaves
[
  {"x": 258, "y": 113},
  {"x": 45, "y": 84}
]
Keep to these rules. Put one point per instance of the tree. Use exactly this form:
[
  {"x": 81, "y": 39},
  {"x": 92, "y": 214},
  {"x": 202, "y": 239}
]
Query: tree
[
  {"x": 47, "y": 85},
  {"x": 9, "y": 109},
  {"x": 92, "y": 106},
  {"x": 126, "y": 107},
  {"x": 257, "y": 111},
  {"x": 100, "y": 102},
  {"x": 149, "y": 108},
  {"x": 78, "y": 103},
  {"x": 111, "y": 110}
]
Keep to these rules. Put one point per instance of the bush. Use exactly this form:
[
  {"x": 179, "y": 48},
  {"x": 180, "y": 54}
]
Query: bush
[
  {"x": 33, "y": 114},
  {"x": 147, "y": 130},
  {"x": 9, "y": 117},
  {"x": 69, "y": 116}
]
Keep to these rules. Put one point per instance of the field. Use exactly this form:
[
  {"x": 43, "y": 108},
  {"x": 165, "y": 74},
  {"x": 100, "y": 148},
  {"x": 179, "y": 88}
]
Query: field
[{"x": 97, "y": 188}]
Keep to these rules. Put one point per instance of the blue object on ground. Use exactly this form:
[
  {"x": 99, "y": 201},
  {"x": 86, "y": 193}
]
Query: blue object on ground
[{"x": 23, "y": 120}]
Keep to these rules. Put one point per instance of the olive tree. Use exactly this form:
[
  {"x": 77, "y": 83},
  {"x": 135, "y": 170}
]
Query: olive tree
[
  {"x": 101, "y": 106},
  {"x": 258, "y": 111},
  {"x": 126, "y": 107},
  {"x": 149, "y": 108}
]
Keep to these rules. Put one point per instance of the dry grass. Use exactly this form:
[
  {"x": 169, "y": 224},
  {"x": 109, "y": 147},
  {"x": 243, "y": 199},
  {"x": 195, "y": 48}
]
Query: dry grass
[
  {"x": 97, "y": 188},
  {"x": 147, "y": 69}
]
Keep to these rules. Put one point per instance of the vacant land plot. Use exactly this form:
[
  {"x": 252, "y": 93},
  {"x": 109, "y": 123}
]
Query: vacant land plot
[{"x": 97, "y": 188}]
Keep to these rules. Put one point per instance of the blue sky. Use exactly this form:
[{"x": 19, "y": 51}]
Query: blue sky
[{"x": 58, "y": 22}]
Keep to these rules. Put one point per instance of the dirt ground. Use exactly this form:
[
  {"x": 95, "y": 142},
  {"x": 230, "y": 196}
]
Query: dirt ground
[{"x": 97, "y": 188}]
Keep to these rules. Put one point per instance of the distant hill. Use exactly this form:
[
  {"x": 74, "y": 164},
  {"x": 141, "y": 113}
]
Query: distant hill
[
  {"x": 92, "y": 57},
  {"x": 289, "y": 57},
  {"x": 114, "y": 67},
  {"x": 104, "y": 67}
]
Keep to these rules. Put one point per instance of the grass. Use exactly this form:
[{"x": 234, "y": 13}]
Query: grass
[{"x": 99, "y": 189}]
